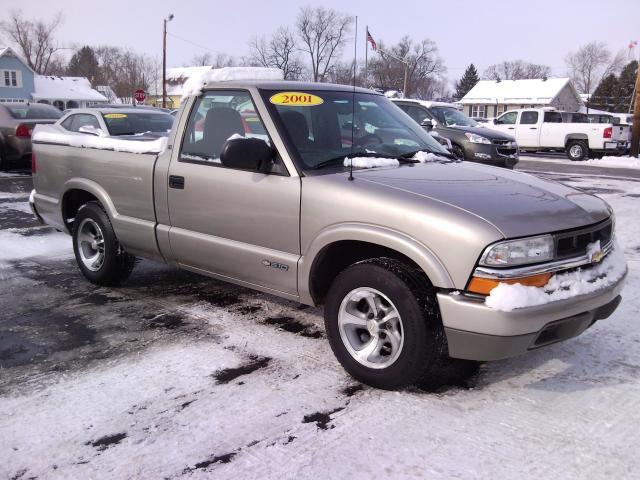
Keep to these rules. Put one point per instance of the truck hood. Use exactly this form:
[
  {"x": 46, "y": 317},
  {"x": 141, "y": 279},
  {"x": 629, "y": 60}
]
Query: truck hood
[
  {"x": 487, "y": 132},
  {"x": 516, "y": 203}
]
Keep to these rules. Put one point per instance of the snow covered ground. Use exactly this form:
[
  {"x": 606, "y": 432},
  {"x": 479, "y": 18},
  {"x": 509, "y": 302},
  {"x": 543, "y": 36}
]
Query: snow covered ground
[{"x": 174, "y": 375}]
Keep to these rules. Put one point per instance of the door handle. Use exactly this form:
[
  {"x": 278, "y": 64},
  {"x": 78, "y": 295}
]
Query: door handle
[
  {"x": 533, "y": 128},
  {"x": 176, "y": 182},
  {"x": 511, "y": 128}
]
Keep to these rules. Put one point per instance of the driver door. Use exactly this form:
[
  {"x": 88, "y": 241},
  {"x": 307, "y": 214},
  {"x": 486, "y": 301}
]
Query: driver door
[{"x": 238, "y": 225}]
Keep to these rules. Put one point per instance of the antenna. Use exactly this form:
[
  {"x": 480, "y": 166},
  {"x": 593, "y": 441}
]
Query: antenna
[{"x": 353, "y": 101}]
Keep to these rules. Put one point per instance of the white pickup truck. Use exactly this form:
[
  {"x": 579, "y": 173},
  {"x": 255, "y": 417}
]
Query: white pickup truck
[{"x": 539, "y": 129}]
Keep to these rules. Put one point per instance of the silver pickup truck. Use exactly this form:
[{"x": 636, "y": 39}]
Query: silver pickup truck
[{"x": 327, "y": 195}]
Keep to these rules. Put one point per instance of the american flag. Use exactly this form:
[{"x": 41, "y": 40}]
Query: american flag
[{"x": 370, "y": 39}]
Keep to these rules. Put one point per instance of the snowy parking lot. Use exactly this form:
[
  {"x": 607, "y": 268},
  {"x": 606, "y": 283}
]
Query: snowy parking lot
[{"x": 175, "y": 375}]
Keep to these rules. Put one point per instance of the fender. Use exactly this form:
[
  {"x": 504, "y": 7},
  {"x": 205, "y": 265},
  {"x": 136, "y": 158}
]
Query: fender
[
  {"x": 386, "y": 237},
  {"x": 137, "y": 236}
]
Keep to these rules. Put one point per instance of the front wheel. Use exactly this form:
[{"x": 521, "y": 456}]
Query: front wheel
[
  {"x": 98, "y": 253},
  {"x": 457, "y": 152},
  {"x": 383, "y": 323}
]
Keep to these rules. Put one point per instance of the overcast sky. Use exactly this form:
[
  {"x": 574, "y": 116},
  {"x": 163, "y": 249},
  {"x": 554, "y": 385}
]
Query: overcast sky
[{"x": 480, "y": 31}]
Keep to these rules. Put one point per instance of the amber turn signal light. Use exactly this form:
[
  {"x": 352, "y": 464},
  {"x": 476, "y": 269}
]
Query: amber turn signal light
[{"x": 485, "y": 285}]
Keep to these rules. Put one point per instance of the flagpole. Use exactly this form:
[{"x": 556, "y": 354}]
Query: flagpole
[{"x": 366, "y": 59}]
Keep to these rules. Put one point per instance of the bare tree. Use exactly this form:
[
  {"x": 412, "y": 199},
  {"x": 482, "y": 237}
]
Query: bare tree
[
  {"x": 591, "y": 63},
  {"x": 279, "y": 51},
  {"x": 35, "y": 39},
  {"x": 201, "y": 60},
  {"x": 322, "y": 32},
  {"x": 516, "y": 70},
  {"x": 424, "y": 65}
]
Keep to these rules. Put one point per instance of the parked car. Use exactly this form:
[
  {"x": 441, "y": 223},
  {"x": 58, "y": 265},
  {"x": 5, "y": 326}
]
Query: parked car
[
  {"x": 116, "y": 122},
  {"x": 17, "y": 121},
  {"x": 540, "y": 129},
  {"x": 405, "y": 252},
  {"x": 469, "y": 139}
]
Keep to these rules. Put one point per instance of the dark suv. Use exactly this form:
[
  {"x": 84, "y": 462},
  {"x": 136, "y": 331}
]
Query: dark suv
[{"x": 469, "y": 139}]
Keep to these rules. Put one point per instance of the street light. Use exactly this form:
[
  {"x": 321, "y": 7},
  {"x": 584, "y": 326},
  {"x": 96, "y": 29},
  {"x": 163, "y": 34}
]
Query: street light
[{"x": 164, "y": 60}]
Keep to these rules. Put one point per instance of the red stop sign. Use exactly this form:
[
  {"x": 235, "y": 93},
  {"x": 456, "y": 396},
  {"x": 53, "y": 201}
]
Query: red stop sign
[{"x": 139, "y": 95}]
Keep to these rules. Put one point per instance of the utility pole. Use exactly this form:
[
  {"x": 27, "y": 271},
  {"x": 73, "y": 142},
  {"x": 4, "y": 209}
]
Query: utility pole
[
  {"x": 164, "y": 60},
  {"x": 635, "y": 134}
]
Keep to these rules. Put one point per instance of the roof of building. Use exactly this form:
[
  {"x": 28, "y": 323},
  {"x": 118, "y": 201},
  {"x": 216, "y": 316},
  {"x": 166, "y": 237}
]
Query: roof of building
[
  {"x": 532, "y": 91},
  {"x": 8, "y": 50},
  {"x": 65, "y": 88}
]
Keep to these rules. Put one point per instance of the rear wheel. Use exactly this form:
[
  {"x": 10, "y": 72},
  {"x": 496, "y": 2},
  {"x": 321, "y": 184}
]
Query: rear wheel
[
  {"x": 577, "y": 150},
  {"x": 98, "y": 253},
  {"x": 383, "y": 323}
]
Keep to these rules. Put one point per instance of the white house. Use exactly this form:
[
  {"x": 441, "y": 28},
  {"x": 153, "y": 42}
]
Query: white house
[
  {"x": 490, "y": 98},
  {"x": 66, "y": 92}
]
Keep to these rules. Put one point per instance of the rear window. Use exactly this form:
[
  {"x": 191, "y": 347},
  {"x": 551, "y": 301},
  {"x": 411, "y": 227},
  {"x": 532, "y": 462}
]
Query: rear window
[
  {"x": 133, "y": 123},
  {"x": 29, "y": 112}
]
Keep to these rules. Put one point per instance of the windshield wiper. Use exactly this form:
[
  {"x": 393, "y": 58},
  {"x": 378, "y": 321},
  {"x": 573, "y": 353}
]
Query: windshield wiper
[{"x": 341, "y": 158}]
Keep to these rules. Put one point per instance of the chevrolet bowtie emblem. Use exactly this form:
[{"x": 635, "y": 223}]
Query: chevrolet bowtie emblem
[{"x": 597, "y": 256}]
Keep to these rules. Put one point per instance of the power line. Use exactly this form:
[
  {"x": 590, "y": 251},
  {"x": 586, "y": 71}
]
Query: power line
[{"x": 195, "y": 44}]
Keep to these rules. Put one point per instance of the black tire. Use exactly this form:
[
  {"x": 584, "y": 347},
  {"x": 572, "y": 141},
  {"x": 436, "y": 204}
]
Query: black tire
[
  {"x": 117, "y": 264},
  {"x": 457, "y": 152},
  {"x": 577, "y": 150},
  {"x": 424, "y": 342},
  {"x": 4, "y": 162}
]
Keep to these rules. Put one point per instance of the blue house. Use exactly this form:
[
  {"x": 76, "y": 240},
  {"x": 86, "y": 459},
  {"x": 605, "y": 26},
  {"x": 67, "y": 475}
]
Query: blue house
[
  {"x": 16, "y": 78},
  {"x": 18, "y": 83}
]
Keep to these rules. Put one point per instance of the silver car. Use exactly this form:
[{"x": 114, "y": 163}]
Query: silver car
[{"x": 328, "y": 196}]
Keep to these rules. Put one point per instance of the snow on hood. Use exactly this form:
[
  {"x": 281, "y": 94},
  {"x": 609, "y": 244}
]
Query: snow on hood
[
  {"x": 50, "y": 134},
  {"x": 508, "y": 297},
  {"x": 370, "y": 162},
  {"x": 195, "y": 84}
]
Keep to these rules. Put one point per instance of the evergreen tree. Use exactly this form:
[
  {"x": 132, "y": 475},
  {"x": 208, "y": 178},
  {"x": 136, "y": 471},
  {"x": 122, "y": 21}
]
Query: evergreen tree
[
  {"x": 467, "y": 82},
  {"x": 84, "y": 63},
  {"x": 605, "y": 95},
  {"x": 626, "y": 83}
]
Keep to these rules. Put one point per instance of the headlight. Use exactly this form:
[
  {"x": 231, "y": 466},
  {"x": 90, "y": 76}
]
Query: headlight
[
  {"x": 519, "y": 252},
  {"x": 475, "y": 138}
]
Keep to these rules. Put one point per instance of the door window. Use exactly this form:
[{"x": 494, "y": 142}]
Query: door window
[
  {"x": 552, "y": 117},
  {"x": 417, "y": 113},
  {"x": 529, "y": 118},
  {"x": 508, "y": 118},
  {"x": 216, "y": 117},
  {"x": 74, "y": 122}
]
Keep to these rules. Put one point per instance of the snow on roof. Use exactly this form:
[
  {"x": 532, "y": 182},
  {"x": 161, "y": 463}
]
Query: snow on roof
[
  {"x": 533, "y": 91},
  {"x": 176, "y": 77},
  {"x": 195, "y": 83},
  {"x": 65, "y": 88}
]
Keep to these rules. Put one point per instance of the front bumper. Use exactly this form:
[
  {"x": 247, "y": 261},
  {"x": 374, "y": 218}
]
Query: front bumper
[
  {"x": 501, "y": 155},
  {"x": 476, "y": 332}
]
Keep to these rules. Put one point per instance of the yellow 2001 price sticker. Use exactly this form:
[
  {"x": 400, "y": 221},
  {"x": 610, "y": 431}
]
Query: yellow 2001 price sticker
[
  {"x": 115, "y": 115},
  {"x": 296, "y": 99}
]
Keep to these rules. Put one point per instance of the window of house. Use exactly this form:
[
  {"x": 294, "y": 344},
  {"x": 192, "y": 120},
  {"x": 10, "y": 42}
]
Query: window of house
[
  {"x": 478, "y": 111},
  {"x": 11, "y": 78},
  {"x": 500, "y": 109},
  {"x": 529, "y": 118}
]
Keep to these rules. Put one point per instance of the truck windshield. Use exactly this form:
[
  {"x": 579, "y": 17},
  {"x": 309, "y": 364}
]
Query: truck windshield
[
  {"x": 321, "y": 126},
  {"x": 451, "y": 117},
  {"x": 136, "y": 123}
]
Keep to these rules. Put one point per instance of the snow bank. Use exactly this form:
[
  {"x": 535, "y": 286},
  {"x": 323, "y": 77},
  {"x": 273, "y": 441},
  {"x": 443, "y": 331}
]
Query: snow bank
[
  {"x": 194, "y": 85},
  {"x": 371, "y": 162},
  {"x": 16, "y": 246},
  {"x": 507, "y": 297},
  {"x": 47, "y": 134},
  {"x": 615, "y": 162}
]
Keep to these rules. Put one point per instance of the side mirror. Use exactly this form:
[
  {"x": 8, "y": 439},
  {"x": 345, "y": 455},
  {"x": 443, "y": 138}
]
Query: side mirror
[
  {"x": 247, "y": 154},
  {"x": 495, "y": 121},
  {"x": 428, "y": 123},
  {"x": 91, "y": 130}
]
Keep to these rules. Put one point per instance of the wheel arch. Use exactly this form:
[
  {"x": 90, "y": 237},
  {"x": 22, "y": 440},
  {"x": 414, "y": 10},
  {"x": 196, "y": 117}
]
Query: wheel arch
[
  {"x": 576, "y": 136},
  {"x": 339, "y": 246},
  {"x": 79, "y": 191}
]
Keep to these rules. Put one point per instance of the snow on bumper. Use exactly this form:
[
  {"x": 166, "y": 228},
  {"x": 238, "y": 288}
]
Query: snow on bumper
[{"x": 476, "y": 331}]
